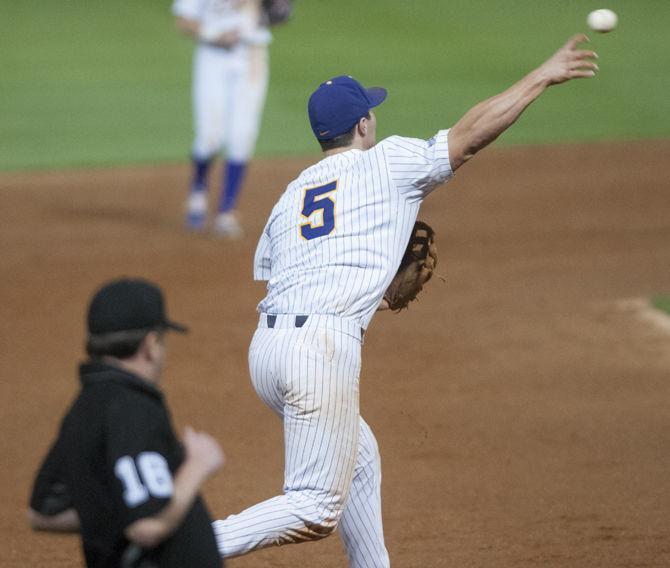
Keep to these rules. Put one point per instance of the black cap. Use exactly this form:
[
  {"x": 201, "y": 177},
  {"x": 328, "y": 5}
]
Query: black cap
[{"x": 129, "y": 304}]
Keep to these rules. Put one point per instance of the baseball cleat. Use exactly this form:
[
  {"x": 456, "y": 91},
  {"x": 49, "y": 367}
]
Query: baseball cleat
[
  {"x": 228, "y": 226},
  {"x": 196, "y": 211}
]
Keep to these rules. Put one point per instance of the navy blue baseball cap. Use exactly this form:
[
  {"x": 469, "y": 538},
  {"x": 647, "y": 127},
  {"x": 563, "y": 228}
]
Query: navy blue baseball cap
[
  {"x": 339, "y": 103},
  {"x": 129, "y": 304}
]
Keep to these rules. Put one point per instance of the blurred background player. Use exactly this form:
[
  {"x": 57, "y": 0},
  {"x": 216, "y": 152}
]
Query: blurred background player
[{"x": 230, "y": 78}]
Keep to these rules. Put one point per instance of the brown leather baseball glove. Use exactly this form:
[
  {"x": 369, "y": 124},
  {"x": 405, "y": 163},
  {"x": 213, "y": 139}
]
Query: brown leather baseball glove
[
  {"x": 277, "y": 11},
  {"x": 416, "y": 267}
]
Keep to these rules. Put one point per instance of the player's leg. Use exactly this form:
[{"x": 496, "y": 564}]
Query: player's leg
[
  {"x": 361, "y": 524},
  {"x": 208, "y": 109},
  {"x": 316, "y": 392},
  {"x": 247, "y": 100}
]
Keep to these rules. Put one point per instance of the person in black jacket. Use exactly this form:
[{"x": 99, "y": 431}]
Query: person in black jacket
[{"x": 117, "y": 473}]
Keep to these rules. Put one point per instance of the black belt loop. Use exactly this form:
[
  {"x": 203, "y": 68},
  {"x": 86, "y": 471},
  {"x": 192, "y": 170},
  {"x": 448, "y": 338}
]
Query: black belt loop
[{"x": 271, "y": 320}]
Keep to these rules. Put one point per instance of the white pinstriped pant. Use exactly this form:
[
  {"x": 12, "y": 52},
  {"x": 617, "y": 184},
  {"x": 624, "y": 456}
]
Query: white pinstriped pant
[
  {"x": 229, "y": 89},
  {"x": 309, "y": 376}
]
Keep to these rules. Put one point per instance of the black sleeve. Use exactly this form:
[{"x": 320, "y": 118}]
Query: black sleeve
[
  {"x": 50, "y": 492},
  {"x": 140, "y": 457}
]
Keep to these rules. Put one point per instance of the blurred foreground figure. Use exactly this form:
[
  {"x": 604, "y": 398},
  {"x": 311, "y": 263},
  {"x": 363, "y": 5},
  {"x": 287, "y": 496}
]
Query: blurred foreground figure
[{"x": 117, "y": 473}]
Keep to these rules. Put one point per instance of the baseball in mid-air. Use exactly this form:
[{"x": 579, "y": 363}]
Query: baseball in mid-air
[{"x": 603, "y": 20}]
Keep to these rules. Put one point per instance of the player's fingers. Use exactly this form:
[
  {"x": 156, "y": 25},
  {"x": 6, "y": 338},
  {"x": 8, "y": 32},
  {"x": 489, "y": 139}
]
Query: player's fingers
[
  {"x": 576, "y": 39},
  {"x": 584, "y": 65},
  {"x": 582, "y": 74},
  {"x": 585, "y": 54}
]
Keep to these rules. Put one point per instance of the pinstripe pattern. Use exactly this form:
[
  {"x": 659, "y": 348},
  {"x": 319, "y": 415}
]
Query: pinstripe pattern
[
  {"x": 346, "y": 272},
  {"x": 309, "y": 375},
  {"x": 361, "y": 524}
]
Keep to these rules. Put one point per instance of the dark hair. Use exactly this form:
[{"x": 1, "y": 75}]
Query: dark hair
[
  {"x": 117, "y": 344},
  {"x": 340, "y": 141}
]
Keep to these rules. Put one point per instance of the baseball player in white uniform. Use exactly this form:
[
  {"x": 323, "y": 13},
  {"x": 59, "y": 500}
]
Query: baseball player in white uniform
[
  {"x": 329, "y": 250},
  {"x": 230, "y": 78}
]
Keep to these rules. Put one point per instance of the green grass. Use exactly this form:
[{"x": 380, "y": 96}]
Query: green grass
[
  {"x": 96, "y": 82},
  {"x": 661, "y": 303}
]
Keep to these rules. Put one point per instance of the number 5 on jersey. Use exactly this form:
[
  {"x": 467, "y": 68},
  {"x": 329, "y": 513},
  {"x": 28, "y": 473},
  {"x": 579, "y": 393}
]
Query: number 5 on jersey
[{"x": 318, "y": 202}]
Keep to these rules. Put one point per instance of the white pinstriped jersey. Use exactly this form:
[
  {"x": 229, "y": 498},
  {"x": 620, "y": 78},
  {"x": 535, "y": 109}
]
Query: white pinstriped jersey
[
  {"x": 219, "y": 16},
  {"x": 336, "y": 237}
]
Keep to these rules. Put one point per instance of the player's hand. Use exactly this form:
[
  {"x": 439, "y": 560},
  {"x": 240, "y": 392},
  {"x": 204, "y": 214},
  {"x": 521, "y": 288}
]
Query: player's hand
[
  {"x": 569, "y": 63},
  {"x": 203, "y": 451},
  {"x": 227, "y": 39}
]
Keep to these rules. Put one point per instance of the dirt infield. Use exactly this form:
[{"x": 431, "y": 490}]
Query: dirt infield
[{"x": 521, "y": 407}]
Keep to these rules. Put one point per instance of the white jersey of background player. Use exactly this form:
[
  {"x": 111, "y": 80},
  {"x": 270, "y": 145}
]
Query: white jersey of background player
[
  {"x": 230, "y": 78},
  {"x": 330, "y": 248}
]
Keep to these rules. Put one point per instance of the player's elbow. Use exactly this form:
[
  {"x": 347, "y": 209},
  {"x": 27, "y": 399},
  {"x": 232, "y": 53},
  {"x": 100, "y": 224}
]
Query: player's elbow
[
  {"x": 35, "y": 520},
  {"x": 476, "y": 130},
  {"x": 65, "y": 521},
  {"x": 146, "y": 533}
]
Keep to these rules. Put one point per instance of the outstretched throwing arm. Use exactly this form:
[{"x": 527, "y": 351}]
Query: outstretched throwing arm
[{"x": 484, "y": 122}]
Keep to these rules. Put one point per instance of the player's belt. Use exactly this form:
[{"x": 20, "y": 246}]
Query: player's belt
[
  {"x": 348, "y": 326},
  {"x": 272, "y": 320}
]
